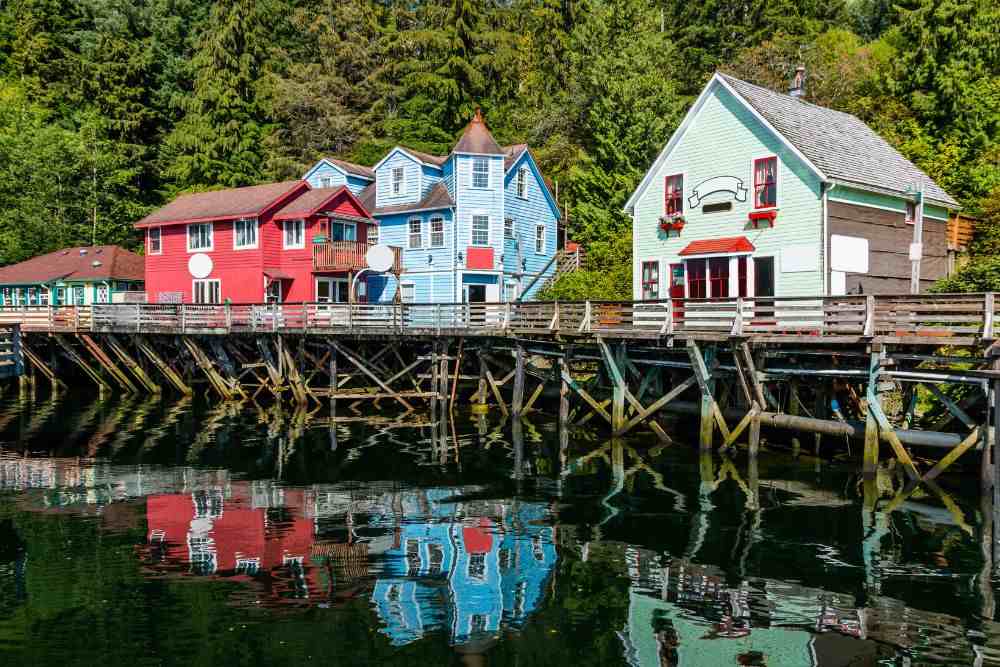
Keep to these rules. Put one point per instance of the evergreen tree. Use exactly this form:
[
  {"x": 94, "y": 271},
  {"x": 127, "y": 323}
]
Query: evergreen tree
[{"x": 219, "y": 141}]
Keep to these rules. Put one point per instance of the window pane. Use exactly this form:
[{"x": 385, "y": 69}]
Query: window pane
[
  {"x": 437, "y": 232},
  {"x": 397, "y": 180},
  {"x": 480, "y": 230},
  {"x": 480, "y": 173},
  {"x": 416, "y": 234},
  {"x": 508, "y": 228},
  {"x": 765, "y": 182},
  {"x": 540, "y": 239},
  {"x": 154, "y": 240}
]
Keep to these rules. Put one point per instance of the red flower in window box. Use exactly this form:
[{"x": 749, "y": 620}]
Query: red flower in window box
[
  {"x": 670, "y": 223},
  {"x": 757, "y": 217}
]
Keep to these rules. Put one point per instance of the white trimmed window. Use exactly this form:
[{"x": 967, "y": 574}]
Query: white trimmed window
[
  {"x": 416, "y": 233},
  {"x": 154, "y": 245},
  {"x": 324, "y": 182},
  {"x": 207, "y": 291},
  {"x": 293, "y": 234},
  {"x": 245, "y": 234},
  {"x": 200, "y": 236},
  {"x": 522, "y": 182},
  {"x": 407, "y": 292},
  {"x": 480, "y": 172},
  {"x": 373, "y": 234},
  {"x": 480, "y": 230},
  {"x": 508, "y": 228},
  {"x": 437, "y": 232},
  {"x": 540, "y": 239},
  {"x": 397, "y": 180}
]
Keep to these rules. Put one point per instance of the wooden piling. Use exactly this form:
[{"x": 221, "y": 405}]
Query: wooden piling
[
  {"x": 168, "y": 372},
  {"x": 869, "y": 466},
  {"x": 102, "y": 386},
  {"x": 517, "y": 402},
  {"x": 118, "y": 349}
]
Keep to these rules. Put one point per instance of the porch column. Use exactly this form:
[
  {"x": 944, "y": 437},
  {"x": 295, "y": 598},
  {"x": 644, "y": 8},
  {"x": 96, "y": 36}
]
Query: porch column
[
  {"x": 750, "y": 276},
  {"x": 734, "y": 276}
]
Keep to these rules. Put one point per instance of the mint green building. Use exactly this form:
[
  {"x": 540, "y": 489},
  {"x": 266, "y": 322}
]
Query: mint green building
[{"x": 760, "y": 193}]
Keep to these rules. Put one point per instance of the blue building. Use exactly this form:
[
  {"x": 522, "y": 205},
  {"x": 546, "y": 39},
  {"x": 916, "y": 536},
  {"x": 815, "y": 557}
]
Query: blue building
[
  {"x": 479, "y": 224},
  {"x": 468, "y": 569}
]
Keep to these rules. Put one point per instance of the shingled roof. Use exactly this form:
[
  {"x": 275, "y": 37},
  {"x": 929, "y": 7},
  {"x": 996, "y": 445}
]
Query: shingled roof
[
  {"x": 353, "y": 168},
  {"x": 102, "y": 262},
  {"x": 312, "y": 202},
  {"x": 476, "y": 138},
  {"x": 512, "y": 153},
  {"x": 228, "y": 204},
  {"x": 840, "y": 145},
  {"x": 438, "y": 197}
]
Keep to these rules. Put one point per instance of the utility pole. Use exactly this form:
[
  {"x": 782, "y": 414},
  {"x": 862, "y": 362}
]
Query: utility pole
[{"x": 917, "y": 247}]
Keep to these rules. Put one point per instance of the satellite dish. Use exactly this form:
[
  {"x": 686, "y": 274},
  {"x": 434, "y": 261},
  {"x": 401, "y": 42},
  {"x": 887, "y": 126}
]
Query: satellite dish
[
  {"x": 200, "y": 265},
  {"x": 380, "y": 258}
]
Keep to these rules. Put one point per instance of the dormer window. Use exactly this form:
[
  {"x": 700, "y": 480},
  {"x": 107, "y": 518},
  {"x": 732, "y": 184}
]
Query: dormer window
[
  {"x": 522, "y": 182},
  {"x": 765, "y": 182},
  {"x": 673, "y": 195},
  {"x": 397, "y": 180},
  {"x": 480, "y": 172}
]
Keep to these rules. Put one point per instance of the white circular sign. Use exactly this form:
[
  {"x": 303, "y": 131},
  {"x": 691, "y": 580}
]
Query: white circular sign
[
  {"x": 200, "y": 265},
  {"x": 380, "y": 258}
]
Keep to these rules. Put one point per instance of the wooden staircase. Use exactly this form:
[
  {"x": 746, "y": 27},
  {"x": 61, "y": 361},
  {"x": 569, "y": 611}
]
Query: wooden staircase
[{"x": 566, "y": 261}]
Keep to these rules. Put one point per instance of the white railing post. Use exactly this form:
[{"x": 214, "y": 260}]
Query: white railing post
[
  {"x": 76, "y": 318},
  {"x": 554, "y": 323},
  {"x": 585, "y": 322},
  {"x": 668, "y": 320},
  {"x": 869, "y": 327},
  {"x": 183, "y": 310},
  {"x": 989, "y": 302},
  {"x": 507, "y": 316},
  {"x": 737, "y": 329},
  {"x": 437, "y": 318},
  {"x": 229, "y": 317}
]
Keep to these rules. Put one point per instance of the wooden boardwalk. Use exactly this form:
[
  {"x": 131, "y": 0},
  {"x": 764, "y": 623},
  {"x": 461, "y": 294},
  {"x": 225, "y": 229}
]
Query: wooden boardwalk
[
  {"x": 926, "y": 320},
  {"x": 823, "y": 366}
]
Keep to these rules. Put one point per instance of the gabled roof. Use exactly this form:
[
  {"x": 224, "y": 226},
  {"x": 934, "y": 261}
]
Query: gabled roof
[
  {"x": 730, "y": 245},
  {"x": 312, "y": 202},
  {"x": 842, "y": 146},
  {"x": 512, "y": 154},
  {"x": 103, "y": 262},
  {"x": 476, "y": 138},
  {"x": 227, "y": 204},
  {"x": 437, "y": 198},
  {"x": 435, "y": 161},
  {"x": 836, "y": 146},
  {"x": 352, "y": 168}
]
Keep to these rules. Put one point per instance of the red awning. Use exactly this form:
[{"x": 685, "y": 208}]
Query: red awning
[
  {"x": 726, "y": 246},
  {"x": 278, "y": 274}
]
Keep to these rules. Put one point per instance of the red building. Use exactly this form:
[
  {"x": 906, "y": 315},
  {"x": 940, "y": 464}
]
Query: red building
[
  {"x": 205, "y": 533},
  {"x": 274, "y": 242}
]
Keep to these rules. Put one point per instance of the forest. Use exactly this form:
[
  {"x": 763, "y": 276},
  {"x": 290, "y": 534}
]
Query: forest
[{"x": 109, "y": 108}]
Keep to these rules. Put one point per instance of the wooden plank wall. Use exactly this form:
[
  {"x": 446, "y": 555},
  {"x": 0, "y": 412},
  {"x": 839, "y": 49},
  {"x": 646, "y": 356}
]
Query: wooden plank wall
[{"x": 889, "y": 239}]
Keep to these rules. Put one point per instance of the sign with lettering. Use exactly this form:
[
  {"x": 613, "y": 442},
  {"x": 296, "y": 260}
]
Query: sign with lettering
[{"x": 730, "y": 184}]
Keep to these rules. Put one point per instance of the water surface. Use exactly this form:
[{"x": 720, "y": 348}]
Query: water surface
[{"x": 141, "y": 532}]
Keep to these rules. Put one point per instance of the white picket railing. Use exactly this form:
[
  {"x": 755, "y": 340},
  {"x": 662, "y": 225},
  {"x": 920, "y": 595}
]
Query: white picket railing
[{"x": 931, "y": 318}]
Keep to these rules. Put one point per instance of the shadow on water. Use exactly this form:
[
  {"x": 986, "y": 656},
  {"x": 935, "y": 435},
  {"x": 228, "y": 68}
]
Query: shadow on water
[{"x": 144, "y": 531}]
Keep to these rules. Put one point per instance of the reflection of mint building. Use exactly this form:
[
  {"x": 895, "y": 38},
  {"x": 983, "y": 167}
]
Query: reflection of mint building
[{"x": 467, "y": 567}]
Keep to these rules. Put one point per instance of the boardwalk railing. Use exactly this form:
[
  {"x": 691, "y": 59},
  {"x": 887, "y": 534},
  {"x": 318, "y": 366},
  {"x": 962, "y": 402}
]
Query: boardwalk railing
[
  {"x": 11, "y": 356},
  {"x": 347, "y": 256},
  {"x": 929, "y": 319}
]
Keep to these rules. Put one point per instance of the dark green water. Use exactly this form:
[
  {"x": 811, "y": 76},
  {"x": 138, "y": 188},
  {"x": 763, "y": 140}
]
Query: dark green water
[{"x": 148, "y": 533}]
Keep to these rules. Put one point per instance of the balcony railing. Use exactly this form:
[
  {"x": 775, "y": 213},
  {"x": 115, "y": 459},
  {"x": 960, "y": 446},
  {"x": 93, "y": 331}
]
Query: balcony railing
[{"x": 346, "y": 256}]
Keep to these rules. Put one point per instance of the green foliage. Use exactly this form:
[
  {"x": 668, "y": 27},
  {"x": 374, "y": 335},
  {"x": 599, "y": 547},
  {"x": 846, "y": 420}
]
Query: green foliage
[
  {"x": 111, "y": 107},
  {"x": 981, "y": 271}
]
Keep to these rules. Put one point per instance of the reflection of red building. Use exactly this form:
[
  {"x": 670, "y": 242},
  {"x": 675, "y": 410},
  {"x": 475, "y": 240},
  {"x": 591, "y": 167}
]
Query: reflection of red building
[{"x": 210, "y": 532}]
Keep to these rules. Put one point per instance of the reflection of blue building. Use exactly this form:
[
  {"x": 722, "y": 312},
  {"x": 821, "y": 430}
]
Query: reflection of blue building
[{"x": 468, "y": 567}]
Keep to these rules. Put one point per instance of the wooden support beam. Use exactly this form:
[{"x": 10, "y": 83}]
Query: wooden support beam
[
  {"x": 44, "y": 368},
  {"x": 364, "y": 369},
  {"x": 656, "y": 405},
  {"x": 496, "y": 392},
  {"x": 105, "y": 361},
  {"x": 740, "y": 427},
  {"x": 794, "y": 409},
  {"x": 294, "y": 378},
  {"x": 951, "y": 405},
  {"x": 205, "y": 364},
  {"x": 119, "y": 351},
  {"x": 517, "y": 401},
  {"x": 952, "y": 456},
  {"x": 172, "y": 376},
  {"x": 534, "y": 397},
  {"x": 225, "y": 366},
  {"x": 273, "y": 369},
  {"x": 890, "y": 434},
  {"x": 588, "y": 399},
  {"x": 102, "y": 386},
  {"x": 710, "y": 413},
  {"x": 869, "y": 466}
]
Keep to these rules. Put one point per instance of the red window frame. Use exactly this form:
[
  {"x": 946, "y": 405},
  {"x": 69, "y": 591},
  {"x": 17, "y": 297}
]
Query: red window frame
[
  {"x": 673, "y": 195},
  {"x": 697, "y": 278},
  {"x": 765, "y": 182},
  {"x": 718, "y": 276},
  {"x": 650, "y": 280},
  {"x": 741, "y": 274}
]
